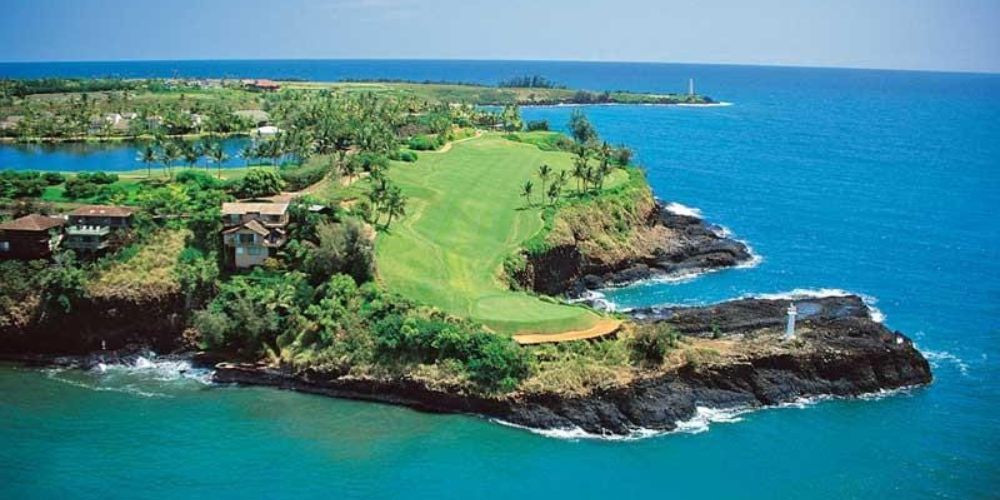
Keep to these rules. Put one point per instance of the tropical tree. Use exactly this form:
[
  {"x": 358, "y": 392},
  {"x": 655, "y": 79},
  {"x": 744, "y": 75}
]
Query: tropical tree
[
  {"x": 581, "y": 128},
  {"x": 148, "y": 156},
  {"x": 217, "y": 154},
  {"x": 544, "y": 172},
  {"x": 554, "y": 192},
  {"x": 248, "y": 153},
  {"x": 580, "y": 168},
  {"x": 526, "y": 191},
  {"x": 395, "y": 205},
  {"x": 191, "y": 153},
  {"x": 169, "y": 155}
]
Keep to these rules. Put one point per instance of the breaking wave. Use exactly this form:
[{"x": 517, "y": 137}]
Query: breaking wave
[
  {"x": 678, "y": 209},
  {"x": 143, "y": 376},
  {"x": 704, "y": 417},
  {"x": 938, "y": 358}
]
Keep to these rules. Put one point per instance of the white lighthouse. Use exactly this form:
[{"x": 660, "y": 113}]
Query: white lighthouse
[
  {"x": 691, "y": 86},
  {"x": 790, "y": 325}
]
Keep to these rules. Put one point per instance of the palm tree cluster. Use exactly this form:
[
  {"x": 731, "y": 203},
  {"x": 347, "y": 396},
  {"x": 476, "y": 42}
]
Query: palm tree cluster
[
  {"x": 386, "y": 199},
  {"x": 550, "y": 192},
  {"x": 169, "y": 152},
  {"x": 590, "y": 177}
]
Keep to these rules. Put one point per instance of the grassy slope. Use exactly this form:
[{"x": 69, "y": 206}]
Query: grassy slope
[{"x": 465, "y": 216}]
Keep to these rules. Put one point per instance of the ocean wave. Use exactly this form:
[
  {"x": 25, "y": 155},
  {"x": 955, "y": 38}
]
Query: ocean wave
[
  {"x": 721, "y": 104},
  {"x": 158, "y": 369},
  {"x": 938, "y": 358},
  {"x": 97, "y": 386},
  {"x": 145, "y": 376},
  {"x": 684, "y": 210},
  {"x": 705, "y": 417}
]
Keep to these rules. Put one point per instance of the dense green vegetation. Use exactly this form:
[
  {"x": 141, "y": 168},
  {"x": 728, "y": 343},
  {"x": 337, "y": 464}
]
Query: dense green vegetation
[
  {"x": 401, "y": 269},
  {"x": 466, "y": 218}
]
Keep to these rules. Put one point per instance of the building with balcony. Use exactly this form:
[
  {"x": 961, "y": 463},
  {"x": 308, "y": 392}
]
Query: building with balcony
[
  {"x": 253, "y": 232},
  {"x": 90, "y": 226}
]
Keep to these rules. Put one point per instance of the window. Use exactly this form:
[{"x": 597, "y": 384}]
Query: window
[
  {"x": 255, "y": 250},
  {"x": 4, "y": 246},
  {"x": 239, "y": 250}
]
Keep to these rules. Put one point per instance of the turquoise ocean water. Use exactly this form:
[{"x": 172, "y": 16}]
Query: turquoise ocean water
[{"x": 880, "y": 183}]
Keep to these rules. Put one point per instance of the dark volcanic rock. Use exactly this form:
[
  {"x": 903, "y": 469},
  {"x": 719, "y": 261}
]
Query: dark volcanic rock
[
  {"x": 840, "y": 352},
  {"x": 693, "y": 246}
]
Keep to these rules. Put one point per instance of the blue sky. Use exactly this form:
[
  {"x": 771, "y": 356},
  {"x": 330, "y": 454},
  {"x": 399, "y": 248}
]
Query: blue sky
[{"x": 958, "y": 35}]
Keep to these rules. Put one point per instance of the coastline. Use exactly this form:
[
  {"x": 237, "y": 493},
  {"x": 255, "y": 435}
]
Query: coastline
[{"x": 841, "y": 353}]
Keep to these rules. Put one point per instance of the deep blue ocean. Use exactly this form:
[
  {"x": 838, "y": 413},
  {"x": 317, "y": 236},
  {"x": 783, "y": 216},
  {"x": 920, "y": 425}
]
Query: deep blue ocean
[{"x": 881, "y": 183}]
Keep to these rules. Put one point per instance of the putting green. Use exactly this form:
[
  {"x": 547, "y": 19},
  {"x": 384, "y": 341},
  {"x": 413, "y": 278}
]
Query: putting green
[{"x": 464, "y": 216}]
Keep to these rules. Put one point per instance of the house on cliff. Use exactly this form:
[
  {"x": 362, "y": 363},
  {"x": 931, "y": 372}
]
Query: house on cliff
[
  {"x": 91, "y": 226},
  {"x": 253, "y": 231},
  {"x": 30, "y": 237}
]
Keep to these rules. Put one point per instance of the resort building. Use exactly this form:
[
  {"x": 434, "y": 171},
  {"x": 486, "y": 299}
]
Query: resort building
[
  {"x": 30, "y": 237},
  {"x": 90, "y": 226},
  {"x": 264, "y": 85},
  {"x": 252, "y": 231}
]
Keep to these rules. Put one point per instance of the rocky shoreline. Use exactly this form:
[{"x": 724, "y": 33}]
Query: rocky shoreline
[
  {"x": 840, "y": 351},
  {"x": 681, "y": 245}
]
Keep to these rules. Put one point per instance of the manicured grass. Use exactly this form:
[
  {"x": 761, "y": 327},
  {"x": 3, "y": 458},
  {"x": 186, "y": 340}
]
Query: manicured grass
[{"x": 465, "y": 216}]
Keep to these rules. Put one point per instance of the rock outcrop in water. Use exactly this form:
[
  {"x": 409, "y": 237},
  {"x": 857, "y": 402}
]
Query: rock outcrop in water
[
  {"x": 664, "y": 244},
  {"x": 734, "y": 357}
]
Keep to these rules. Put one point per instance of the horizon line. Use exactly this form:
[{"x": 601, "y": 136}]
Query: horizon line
[{"x": 589, "y": 61}]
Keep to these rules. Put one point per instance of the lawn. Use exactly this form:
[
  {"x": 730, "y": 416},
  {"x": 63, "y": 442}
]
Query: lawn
[{"x": 465, "y": 215}]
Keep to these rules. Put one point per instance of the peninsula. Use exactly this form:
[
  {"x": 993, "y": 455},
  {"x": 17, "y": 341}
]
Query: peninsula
[{"x": 398, "y": 242}]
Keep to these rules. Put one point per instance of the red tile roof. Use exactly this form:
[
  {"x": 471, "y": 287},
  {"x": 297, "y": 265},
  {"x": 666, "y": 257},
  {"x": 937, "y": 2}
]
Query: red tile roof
[{"x": 33, "y": 222}]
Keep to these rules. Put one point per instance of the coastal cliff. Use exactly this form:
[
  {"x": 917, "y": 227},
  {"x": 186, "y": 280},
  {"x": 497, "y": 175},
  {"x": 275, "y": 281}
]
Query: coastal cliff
[
  {"x": 620, "y": 239},
  {"x": 95, "y": 323},
  {"x": 732, "y": 357}
]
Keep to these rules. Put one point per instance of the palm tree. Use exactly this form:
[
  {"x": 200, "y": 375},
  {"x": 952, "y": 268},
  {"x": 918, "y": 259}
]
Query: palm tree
[
  {"x": 526, "y": 191},
  {"x": 218, "y": 156},
  {"x": 395, "y": 205},
  {"x": 191, "y": 153},
  {"x": 580, "y": 171},
  {"x": 148, "y": 156},
  {"x": 544, "y": 171},
  {"x": 249, "y": 152},
  {"x": 169, "y": 155},
  {"x": 554, "y": 192}
]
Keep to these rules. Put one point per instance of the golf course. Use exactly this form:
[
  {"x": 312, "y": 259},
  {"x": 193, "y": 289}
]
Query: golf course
[{"x": 466, "y": 214}]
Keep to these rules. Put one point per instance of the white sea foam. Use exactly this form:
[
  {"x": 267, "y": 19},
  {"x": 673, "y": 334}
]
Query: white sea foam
[
  {"x": 145, "y": 376},
  {"x": 159, "y": 369},
  {"x": 678, "y": 209},
  {"x": 705, "y": 105},
  {"x": 704, "y": 417},
  {"x": 938, "y": 358},
  {"x": 597, "y": 300}
]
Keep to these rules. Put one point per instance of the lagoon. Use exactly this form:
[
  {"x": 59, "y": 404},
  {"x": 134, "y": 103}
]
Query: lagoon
[{"x": 115, "y": 156}]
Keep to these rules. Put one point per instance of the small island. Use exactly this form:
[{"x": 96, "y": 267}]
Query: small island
[{"x": 410, "y": 243}]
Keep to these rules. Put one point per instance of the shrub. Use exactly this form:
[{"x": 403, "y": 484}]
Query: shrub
[
  {"x": 649, "y": 344},
  {"x": 343, "y": 248},
  {"x": 538, "y": 125},
  {"x": 423, "y": 143},
  {"x": 53, "y": 178},
  {"x": 80, "y": 187},
  {"x": 300, "y": 177},
  {"x": 404, "y": 155},
  {"x": 260, "y": 182}
]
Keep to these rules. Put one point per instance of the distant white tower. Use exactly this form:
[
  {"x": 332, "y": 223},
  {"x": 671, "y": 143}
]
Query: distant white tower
[
  {"x": 790, "y": 325},
  {"x": 690, "y": 86}
]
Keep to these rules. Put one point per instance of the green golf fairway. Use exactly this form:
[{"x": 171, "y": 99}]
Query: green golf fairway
[{"x": 464, "y": 216}]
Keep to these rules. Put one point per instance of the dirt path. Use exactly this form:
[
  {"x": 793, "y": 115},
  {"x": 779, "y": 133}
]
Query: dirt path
[
  {"x": 605, "y": 326},
  {"x": 447, "y": 146}
]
